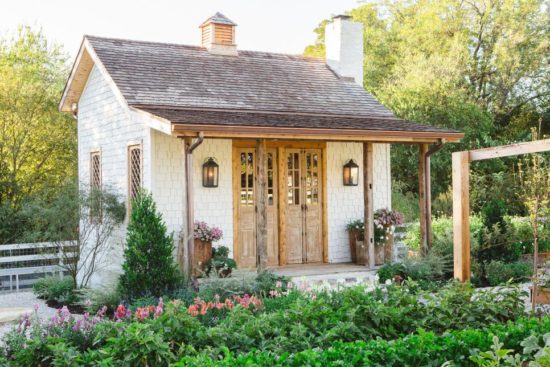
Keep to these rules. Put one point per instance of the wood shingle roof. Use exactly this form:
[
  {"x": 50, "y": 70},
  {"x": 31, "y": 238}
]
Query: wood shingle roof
[{"x": 189, "y": 84}]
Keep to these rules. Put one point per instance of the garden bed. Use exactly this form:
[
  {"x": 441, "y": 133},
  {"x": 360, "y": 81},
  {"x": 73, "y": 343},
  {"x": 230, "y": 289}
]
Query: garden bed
[{"x": 282, "y": 321}]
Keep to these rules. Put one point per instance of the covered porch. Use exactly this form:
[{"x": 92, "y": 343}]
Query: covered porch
[{"x": 282, "y": 201}]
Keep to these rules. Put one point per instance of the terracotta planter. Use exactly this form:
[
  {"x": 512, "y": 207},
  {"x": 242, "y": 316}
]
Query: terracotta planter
[
  {"x": 353, "y": 245},
  {"x": 542, "y": 296},
  {"x": 202, "y": 255},
  {"x": 378, "y": 254},
  {"x": 362, "y": 253},
  {"x": 388, "y": 249}
]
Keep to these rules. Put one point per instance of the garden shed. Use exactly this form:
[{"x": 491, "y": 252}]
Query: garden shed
[{"x": 256, "y": 143}]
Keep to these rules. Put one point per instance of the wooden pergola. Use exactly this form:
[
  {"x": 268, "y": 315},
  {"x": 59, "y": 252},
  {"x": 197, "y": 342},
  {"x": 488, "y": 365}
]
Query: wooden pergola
[{"x": 461, "y": 195}]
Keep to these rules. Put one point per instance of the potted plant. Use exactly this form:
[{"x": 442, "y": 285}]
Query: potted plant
[
  {"x": 355, "y": 230},
  {"x": 204, "y": 235},
  {"x": 385, "y": 221},
  {"x": 221, "y": 262}
]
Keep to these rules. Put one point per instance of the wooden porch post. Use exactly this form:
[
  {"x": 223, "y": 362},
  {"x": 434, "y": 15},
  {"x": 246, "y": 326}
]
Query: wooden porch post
[
  {"x": 424, "y": 196},
  {"x": 261, "y": 204},
  {"x": 461, "y": 215},
  {"x": 368, "y": 173}
]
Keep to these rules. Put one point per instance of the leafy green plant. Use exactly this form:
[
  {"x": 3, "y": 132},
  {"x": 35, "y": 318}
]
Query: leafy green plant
[
  {"x": 429, "y": 271},
  {"x": 419, "y": 349},
  {"x": 498, "y": 272},
  {"x": 93, "y": 299},
  {"x": 220, "y": 262},
  {"x": 55, "y": 289},
  {"x": 148, "y": 267},
  {"x": 140, "y": 344}
]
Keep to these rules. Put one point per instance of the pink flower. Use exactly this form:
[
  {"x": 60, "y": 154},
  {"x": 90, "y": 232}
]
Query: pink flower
[
  {"x": 193, "y": 310},
  {"x": 120, "y": 312},
  {"x": 159, "y": 309},
  {"x": 142, "y": 313},
  {"x": 278, "y": 284},
  {"x": 289, "y": 285}
]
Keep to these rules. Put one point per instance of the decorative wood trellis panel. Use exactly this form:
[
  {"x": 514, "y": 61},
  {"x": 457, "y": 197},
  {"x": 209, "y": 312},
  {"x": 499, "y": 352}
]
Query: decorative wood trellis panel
[
  {"x": 135, "y": 172},
  {"x": 461, "y": 195},
  {"x": 95, "y": 170}
]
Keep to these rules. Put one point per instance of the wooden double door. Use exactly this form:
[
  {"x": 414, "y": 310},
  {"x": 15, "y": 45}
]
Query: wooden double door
[{"x": 294, "y": 206}]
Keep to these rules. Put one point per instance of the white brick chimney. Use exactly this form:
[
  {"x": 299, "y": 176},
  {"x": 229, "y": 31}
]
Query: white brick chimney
[{"x": 344, "y": 47}]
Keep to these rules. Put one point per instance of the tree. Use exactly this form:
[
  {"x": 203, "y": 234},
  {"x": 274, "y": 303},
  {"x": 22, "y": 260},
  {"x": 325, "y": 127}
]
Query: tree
[
  {"x": 149, "y": 267},
  {"x": 37, "y": 143},
  {"x": 478, "y": 66},
  {"x": 534, "y": 181},
  {"x": 80, "y": 223}
]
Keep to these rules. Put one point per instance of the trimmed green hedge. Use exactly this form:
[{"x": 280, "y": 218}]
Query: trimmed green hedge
[{"x": 421, "y": 349}]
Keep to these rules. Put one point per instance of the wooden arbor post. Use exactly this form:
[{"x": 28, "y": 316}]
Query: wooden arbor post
[
  {"x": 425, "y": 198},
  {"x": 461, "y": 195},
  {"x": 261, "y": 204},
  {"x": 368, "y": 174},
  {"x": 461, "y": 215}
]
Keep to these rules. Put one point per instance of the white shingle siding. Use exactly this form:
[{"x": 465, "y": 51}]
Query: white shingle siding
[
  {"x": 215, "y": 205},
  {"x": 168, "y": 179},
  {"x": 104, "y": 124},
  {"x": 346, "y": 203}
]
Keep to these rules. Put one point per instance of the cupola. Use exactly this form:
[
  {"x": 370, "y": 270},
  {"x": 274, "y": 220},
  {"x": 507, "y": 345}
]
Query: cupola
[{"x": 218, "y": 35}]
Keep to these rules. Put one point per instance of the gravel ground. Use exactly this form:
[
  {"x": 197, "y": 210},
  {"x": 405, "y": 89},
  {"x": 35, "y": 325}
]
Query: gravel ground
[{"x": 23, "y": 299}]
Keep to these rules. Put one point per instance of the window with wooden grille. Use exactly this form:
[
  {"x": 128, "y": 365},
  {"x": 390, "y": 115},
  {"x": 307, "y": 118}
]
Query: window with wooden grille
[
  {"x": 95, "y": 186},
  {"x": 134, "y": 172},
  {"x": 95, "y": 170}
]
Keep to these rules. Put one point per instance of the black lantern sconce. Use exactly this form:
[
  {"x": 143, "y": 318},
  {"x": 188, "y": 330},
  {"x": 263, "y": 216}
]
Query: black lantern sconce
[
  {"x": 351, "y": 173},
  {"x": 210, "y": 173}
]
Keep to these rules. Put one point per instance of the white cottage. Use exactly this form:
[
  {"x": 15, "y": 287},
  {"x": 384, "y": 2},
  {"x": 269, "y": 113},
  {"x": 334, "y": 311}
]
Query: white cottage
[{"x": 151, "y": 115}]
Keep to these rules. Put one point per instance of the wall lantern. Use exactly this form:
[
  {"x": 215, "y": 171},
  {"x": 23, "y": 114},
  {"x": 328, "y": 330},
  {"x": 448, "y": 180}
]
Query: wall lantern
[
  {"x": 351, "y": 173},
  {"x": 210, "y": 172}
]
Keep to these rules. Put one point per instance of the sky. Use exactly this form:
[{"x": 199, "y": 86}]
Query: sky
[{"x": 277, "y": 25}]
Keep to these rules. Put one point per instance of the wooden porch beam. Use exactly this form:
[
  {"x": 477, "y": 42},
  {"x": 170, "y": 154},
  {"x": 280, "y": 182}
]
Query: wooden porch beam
[
  {"x": 261, "y": 204},
  {"x": 535, "y": 146},
  {"x": 461, "y": 215},
  {"x": 368, "y": 174},
  {"x": 424, "y": 196}
]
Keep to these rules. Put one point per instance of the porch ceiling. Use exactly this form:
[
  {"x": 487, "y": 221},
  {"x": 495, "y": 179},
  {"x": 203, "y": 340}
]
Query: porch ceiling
[{"x": 231, "y": 123}]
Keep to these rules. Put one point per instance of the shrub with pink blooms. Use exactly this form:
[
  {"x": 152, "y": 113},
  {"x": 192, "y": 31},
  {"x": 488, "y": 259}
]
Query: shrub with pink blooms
[
  {"x": 202, "y": 231},
  {"x": 24, "y": 342},
  {"x": 210, "y": 313}
]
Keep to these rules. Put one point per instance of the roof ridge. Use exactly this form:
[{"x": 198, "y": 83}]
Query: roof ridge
[{"x": 160, "y": 43}]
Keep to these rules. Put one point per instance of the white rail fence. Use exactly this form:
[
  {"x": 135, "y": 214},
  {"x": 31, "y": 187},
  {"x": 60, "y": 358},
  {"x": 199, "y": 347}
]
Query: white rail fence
[{"x": 21, "y": 265}]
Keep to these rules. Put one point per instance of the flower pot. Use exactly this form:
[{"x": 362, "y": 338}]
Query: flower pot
[
  {"x": 388, "y": 248},
  {"x": 362, "y": 253},
  {"x": 353, "y": 245},
  {"x": 202, "y": 255},
  {"x": 224, "y": 273},
  {"x": 379, "y": 254},
  {"x": 542, "y": 296}
]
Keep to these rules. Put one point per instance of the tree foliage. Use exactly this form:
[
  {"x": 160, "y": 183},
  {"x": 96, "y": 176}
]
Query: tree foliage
[
  {"x": 37, "y": 143},
  {"x": 79, "y": 222},
  {"x": 479, "y": 66},
  {"x": 148, "y": 267}
]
